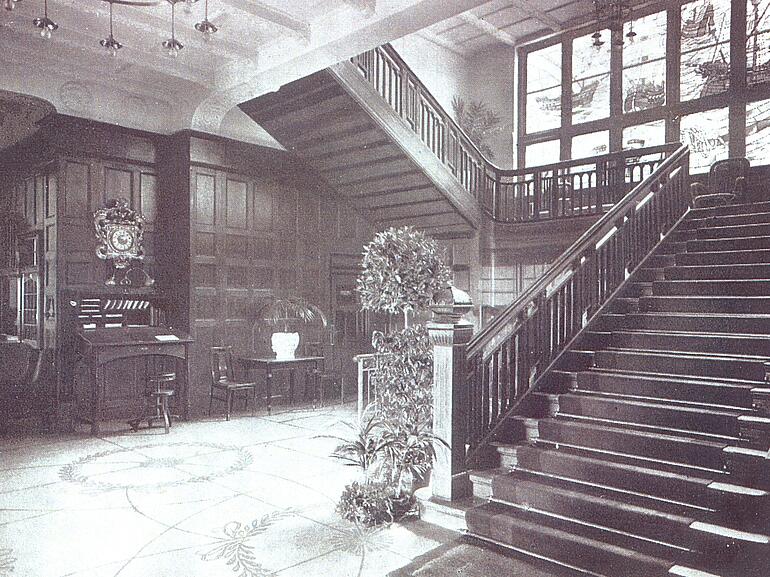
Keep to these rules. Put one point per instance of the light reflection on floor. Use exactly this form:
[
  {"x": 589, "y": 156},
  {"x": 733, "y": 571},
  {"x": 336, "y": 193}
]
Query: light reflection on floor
[{"x": 253, "y": 497}]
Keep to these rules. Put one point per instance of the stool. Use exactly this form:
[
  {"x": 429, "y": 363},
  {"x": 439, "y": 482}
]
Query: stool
[{"x": 160, "y": 395}]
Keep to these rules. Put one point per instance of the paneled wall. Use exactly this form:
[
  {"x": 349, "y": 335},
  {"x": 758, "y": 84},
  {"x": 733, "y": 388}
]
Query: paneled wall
[{"x": 259, "y": 223}]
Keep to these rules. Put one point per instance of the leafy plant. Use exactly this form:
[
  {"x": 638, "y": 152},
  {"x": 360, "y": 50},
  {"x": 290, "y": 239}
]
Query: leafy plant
[
  {"x": 283, "y": 312},
  {"x": 402, "y": 271},
  {"x": 367, "y": 504},
  {"x": 408, "y": 453},
  {"x": 478, "y": 121},
  {"x": 365, "y": 448}
]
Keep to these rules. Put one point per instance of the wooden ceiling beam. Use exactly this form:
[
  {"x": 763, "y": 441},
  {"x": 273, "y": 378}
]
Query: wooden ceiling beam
[
  {"x": 488, "y": 28},
  {"x": 540, "y": 15},
  {"x": 274, "y": 15}
]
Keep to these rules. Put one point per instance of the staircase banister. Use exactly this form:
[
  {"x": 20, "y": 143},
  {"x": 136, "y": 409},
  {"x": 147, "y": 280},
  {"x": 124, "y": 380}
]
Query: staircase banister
[
  {"x": 523, "y": 305},
  {"x": 392, "y": 53},
  {"x": 667, "y": 148}
]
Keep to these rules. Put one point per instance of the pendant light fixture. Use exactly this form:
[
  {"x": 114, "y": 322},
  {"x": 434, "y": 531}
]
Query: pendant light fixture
[
  {"x": 612, "y": 14},
  {"x": 188, "y": 4},
  {"x": 110, "y": 44},
  {"x": 10, "y": 4},
  {"x": 45, "y": 24},
  {"x": 172, "y": 45},
  {"x": 205, "y": 27}
]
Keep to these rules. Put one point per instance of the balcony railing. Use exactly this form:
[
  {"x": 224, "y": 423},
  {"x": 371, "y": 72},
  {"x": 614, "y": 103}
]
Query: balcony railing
[{"x": 564, "y": 189}]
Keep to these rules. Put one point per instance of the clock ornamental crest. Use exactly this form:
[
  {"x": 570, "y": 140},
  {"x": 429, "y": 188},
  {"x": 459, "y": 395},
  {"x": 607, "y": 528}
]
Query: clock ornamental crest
[{"x": 119, "y": 230}]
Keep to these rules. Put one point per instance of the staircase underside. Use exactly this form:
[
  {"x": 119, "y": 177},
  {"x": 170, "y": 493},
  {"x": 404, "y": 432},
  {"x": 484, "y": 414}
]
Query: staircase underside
[
  {"x": 366, "y": 151},
  {"x": 647, "y": 451}
]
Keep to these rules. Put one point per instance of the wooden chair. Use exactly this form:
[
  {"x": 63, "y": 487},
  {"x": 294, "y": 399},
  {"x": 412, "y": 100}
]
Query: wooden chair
[
  {"x": 159, "y": 391},
  {"x": 223, "y": 380},
  {"x": 327, "y": 373},
  {"x": 726, "y": 184}
]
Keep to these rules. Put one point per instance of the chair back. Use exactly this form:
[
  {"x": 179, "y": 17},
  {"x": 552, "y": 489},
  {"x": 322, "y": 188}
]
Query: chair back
[
  {"x": 221, "y": 364},
  {"x": 724, "y": 174}
]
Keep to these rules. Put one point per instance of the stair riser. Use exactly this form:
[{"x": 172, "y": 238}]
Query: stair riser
[
  {"x": 717, "y": 272},
  {"x": 683, "y": 304},
  {"x": 686, "y": 451},
  {"x": 662, "y": 416},
  {"x": 557, "y": 546},
  {"x": 723, "y": 244},
  {"x": 601, "y": 474},
  {"x": 728, "y": 257},
  {"x": 739, "y": 231},
  {"x": 712, "y": 288},
  {"x": 605, "y": 514},
  {"x": 692, "y": 323},
  {"x": 691, "y": 343},
  {"x": 720, "y": 221},
  {"x": 662, "y": 389},
  {"x": 732, "y": 209},
  {"x": 706, "y": 367}
]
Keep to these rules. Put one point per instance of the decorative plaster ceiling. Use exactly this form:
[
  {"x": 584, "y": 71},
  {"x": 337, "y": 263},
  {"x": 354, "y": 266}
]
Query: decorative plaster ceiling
[
  {"x": 19, "y": 116},
  {"x": 260, "y": 45}
]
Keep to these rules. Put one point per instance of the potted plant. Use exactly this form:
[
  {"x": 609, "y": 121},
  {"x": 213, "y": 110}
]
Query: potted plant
[{"x": 285, "y": 314}]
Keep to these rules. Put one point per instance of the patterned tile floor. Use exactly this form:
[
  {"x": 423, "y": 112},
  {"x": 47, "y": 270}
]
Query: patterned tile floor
[{"x": 253, "y": 497}]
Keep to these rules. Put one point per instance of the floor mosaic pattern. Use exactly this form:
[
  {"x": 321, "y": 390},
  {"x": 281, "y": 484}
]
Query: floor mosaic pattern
[{"x": 252, "y": 497}]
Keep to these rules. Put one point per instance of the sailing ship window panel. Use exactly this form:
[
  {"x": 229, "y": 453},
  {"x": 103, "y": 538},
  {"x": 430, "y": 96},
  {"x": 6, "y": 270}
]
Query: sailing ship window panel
[
  {"x": 544, "y": 68},
  {"x": 706, "y": 133},
  {"x": 757, "y": 41},
  {"x": 650, "y": 41},
  {"x": 644, "y": 135},
  {"x": 644, "y": 86},
  {"x": 591, "y": 144},
  {"x": 544, "y": 110},
  {"x": 758, "y": 132},
  {"x": 705, "y": 61},
  {"x": 542, "y": 153},
  {"x": 591, "y": 98}
]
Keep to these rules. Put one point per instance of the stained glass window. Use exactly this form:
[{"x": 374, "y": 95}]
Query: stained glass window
[
  {"x": 705, "y": 62},
  {"x": 644, "y": 63},
  {"x": 757, "y": 41},
  {"x": 542, "y": 153},
  {"x": 758, "y": 132},
  {"x": 706, "y": 133},
  {"x": 591, "y": 144},
  {"x": 544, "y": 89},
  {"x": 643, "y": 135},
  {"x": 590, "y": 79}
]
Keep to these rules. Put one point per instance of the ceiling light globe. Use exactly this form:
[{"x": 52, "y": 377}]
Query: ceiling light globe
[{"x": 45, "y": 33}]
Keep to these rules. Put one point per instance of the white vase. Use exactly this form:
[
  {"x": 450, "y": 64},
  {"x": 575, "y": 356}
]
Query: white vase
[{"x": 285, "y": 345}]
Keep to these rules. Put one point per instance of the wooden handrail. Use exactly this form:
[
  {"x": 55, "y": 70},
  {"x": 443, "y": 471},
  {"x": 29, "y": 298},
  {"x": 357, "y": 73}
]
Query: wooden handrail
[
  {"x": 564, "y": 189},
  {"x": 509, "y": 356}
]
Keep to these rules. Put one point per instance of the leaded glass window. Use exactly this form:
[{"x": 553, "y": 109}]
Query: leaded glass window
[
  {"x": 644, "y": 135},
  {"x": 705, "y": 62},
  {"x": 644, "y": 63},
  {"x": 544, "y": 89},
  {"x": 547, "y": 152},
  {"x": 590, "y": 79},
  {"x": 757, "y": 41},
  {"x": 706, "y": 133},
  {"x": 591, "y": 144},
  {"x": 758, "y": 132}
]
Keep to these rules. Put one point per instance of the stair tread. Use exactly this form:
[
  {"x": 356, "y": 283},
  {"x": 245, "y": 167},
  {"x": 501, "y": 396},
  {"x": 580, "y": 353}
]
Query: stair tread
[
  {"x": 658, "y": 405},
  {"x": 674, "y": 377},
  {"x": 689, "y": 334},
  {"x": 686, "y": 354},
  {"x": 574, "y": 532},
  {"x": 666, "y": 402}
]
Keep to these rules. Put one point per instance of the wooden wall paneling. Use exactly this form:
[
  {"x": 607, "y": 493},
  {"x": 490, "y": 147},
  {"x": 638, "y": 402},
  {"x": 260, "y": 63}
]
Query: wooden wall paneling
[
  {"x": 75, "y": 201},
  {"x": 204, "y": 197},
  {"x": 119, "y": 183},
  {"x": 236, "y": 204}
]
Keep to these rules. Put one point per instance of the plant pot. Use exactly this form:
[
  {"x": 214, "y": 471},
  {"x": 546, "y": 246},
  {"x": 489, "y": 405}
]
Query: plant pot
[{"x": 285, "y": 345}]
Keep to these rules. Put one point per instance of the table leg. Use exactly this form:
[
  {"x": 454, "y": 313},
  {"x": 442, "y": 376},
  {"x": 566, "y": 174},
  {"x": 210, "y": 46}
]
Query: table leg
[
  {"x": 291, "y": 387},
  {"x": 269, "y": 387},
  {"x": 360, "y": 388},
  {"x": 186, "y": 384},
  {"x": 96, "y": 400}
]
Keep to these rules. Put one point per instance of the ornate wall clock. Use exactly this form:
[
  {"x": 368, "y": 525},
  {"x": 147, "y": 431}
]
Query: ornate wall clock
[{"x": 119, "y": 230}]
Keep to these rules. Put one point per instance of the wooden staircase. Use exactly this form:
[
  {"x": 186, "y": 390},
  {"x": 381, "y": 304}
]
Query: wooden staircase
[
  {"x": 646, "y": 454},
  {"x": 341, "y": 126}
]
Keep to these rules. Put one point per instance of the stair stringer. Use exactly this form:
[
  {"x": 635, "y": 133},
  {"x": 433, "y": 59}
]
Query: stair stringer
[{"x": 408, "y": 141}]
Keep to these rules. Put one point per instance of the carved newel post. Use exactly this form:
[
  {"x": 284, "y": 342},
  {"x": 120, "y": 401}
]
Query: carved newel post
[{"x": 449, "y": 334}]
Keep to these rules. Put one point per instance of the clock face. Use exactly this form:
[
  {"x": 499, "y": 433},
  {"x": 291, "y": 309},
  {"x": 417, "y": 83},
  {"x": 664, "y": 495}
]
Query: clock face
[{"x": 121, "y": 239}]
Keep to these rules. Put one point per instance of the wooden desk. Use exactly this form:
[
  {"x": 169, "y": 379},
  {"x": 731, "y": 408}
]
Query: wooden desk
[
  {"x": 271, "y": 365},
  {"x": 98, "y": 347}
]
